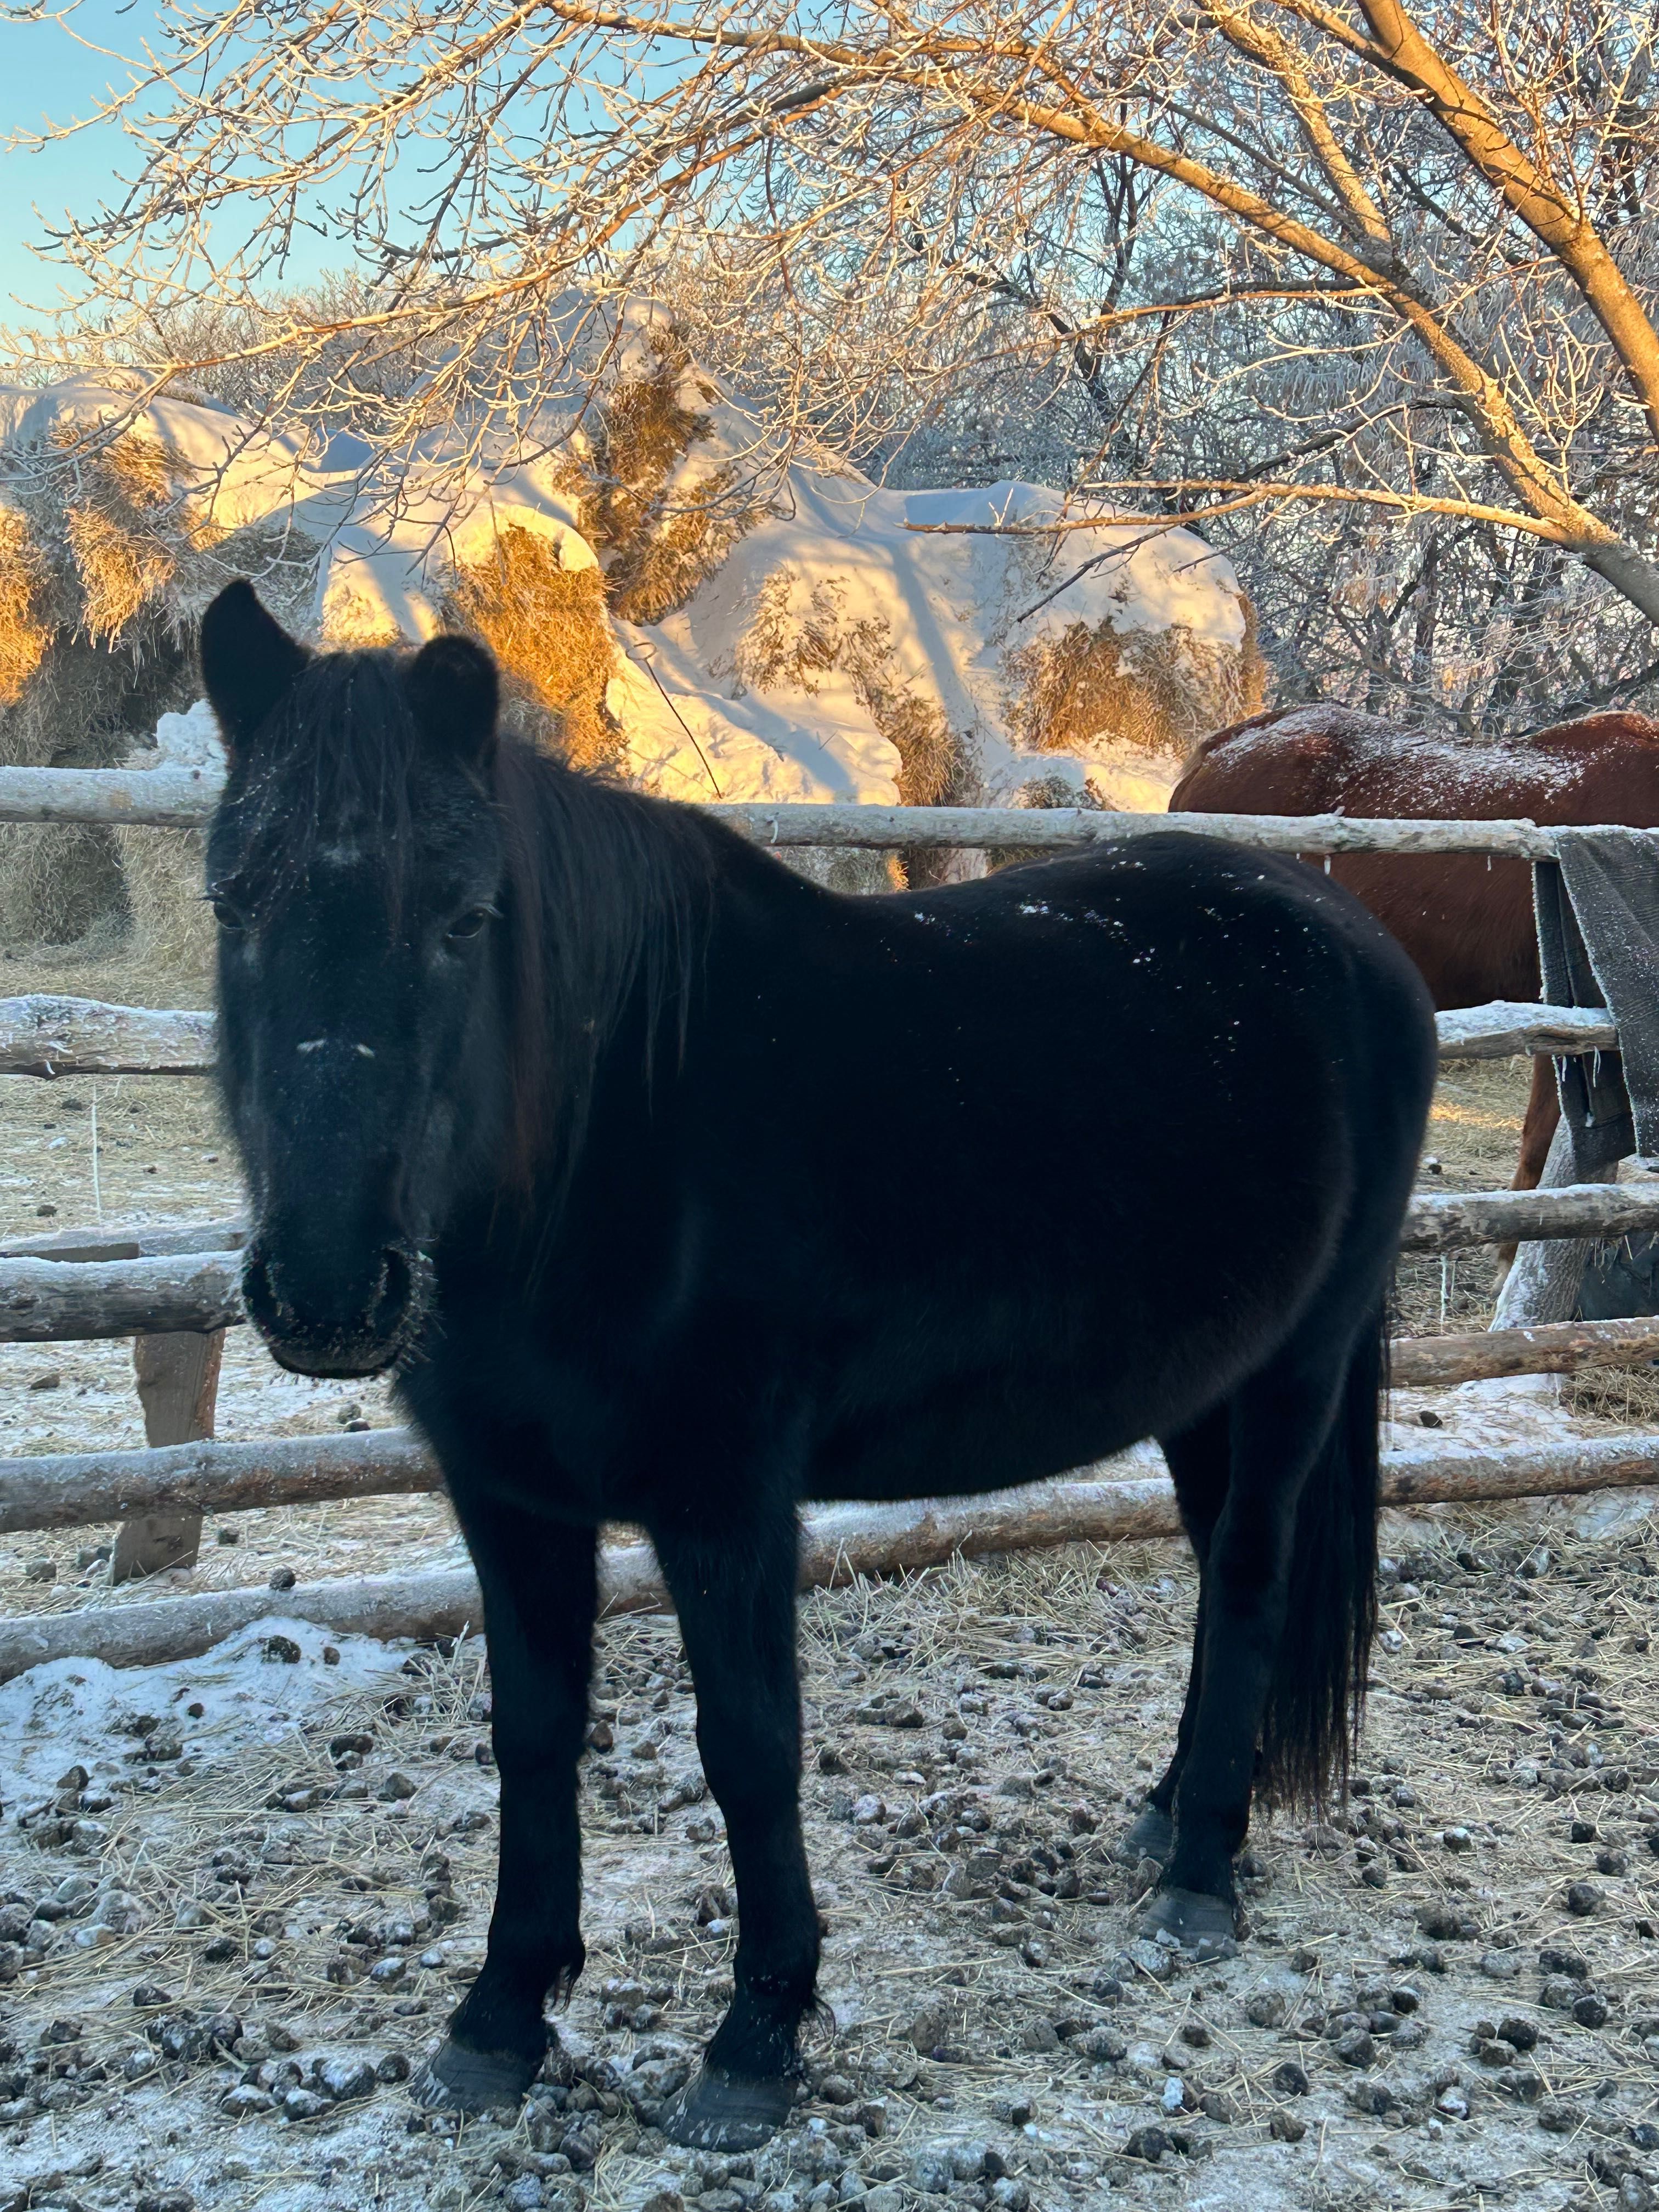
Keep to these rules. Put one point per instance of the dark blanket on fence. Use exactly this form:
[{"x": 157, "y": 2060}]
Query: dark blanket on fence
[{"x": 1598, "y": 941}]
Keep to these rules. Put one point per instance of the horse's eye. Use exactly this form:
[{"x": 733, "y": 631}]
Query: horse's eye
[
  {"x": 469, "y": 923},
  {"x": 227, "y": 916}
]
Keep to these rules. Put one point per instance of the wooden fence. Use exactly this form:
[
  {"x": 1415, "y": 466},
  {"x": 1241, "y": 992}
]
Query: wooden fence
[
  {"x": 176, "y": 1290},
  {"x": 183, "y": 798}
]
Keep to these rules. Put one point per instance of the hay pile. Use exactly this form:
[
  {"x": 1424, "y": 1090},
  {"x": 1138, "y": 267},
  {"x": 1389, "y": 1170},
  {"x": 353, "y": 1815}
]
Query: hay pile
[
  {"x": 546, "y": 623},
  {"x": 88, "y": 653},
  {"x": 658, "y": 503},
  {"x": 661, "y": 516},
  {"x": 1145, "y": 694},
  {"x": 111, "y": 544},
  {"x": 674, "y": 599},
  {"x": 106, "y": 557}
]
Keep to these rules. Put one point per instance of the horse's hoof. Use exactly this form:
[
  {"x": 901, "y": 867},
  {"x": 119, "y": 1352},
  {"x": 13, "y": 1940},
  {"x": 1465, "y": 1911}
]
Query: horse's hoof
[
  {"x": 1203, "y": 1926},
  {"x": 1151, "y": 1836},
  {"x": 729, "y": 2112},
  {"x": 457, "y": 2079}
]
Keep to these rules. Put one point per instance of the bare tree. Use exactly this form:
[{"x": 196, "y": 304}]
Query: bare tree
[{"x": 1276, "y": 256}]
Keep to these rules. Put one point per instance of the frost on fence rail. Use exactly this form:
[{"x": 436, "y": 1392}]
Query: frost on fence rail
[
  {"x": 838, "y": 1543},
  {"x": 184, "y": 798},
  {"x": 52, "y": 1301},
  {"x": 47, "y": 1036}
]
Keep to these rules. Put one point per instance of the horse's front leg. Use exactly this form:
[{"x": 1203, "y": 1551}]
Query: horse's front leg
[
  {"x": 736, "y": 1602},
  {"x": 539, "y": 1585}
]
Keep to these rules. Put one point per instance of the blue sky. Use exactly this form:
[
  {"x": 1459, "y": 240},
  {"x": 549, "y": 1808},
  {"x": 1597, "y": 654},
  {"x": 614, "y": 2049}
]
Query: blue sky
[
  {"x": 43, "y": 71},
  {"x": 48, "y": 70}
]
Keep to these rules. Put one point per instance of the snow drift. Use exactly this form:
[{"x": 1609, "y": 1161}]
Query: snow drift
[{"x": 672, "y": 597}]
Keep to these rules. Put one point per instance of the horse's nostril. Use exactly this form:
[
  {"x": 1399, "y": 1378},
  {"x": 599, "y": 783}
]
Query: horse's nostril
[
  {"x": 397, "y": 1286},
  {"x": 325, "y": 1313}
]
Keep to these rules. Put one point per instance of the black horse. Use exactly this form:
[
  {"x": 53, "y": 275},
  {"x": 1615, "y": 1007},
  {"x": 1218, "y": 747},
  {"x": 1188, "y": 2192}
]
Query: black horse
[{"x": 678, "y": 1190}]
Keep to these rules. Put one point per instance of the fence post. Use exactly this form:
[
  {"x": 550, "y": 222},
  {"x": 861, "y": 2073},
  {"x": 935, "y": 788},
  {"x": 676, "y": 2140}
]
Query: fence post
[{"x": 178, "y": 1378}]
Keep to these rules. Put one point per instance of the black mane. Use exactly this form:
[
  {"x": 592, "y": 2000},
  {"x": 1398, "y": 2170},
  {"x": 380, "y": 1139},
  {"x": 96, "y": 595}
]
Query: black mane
[{"x": 610, "y": 896}]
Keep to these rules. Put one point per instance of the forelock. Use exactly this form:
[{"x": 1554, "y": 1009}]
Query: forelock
[{"x": 333, "y": 777}]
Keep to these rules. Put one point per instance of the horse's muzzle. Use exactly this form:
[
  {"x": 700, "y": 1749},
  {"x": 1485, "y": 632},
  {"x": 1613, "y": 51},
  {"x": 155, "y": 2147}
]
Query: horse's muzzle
[{"x": 321, "y": 1328}]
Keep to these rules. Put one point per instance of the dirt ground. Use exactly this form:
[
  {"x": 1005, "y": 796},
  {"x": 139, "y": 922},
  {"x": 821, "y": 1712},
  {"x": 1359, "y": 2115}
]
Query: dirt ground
[
  {"x": 262, "y": 1894},
  {"x": 1447, "y": 1995}
]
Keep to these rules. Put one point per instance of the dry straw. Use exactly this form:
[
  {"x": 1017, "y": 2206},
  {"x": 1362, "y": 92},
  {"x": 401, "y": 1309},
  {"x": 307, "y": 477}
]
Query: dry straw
[
  {"x": 1155, "y": 690},
  {"x": 660, "y": 527},
  {"x": 103, "y": 566}
]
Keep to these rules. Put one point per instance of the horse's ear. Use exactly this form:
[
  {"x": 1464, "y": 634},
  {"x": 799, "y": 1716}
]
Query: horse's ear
[
  {"x": 249, "y": 663},
  {"x": 455, "y": 694}
]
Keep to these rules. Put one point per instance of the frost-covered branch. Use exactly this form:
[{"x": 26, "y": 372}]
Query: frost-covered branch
[{"x": 1156, "y": 250}]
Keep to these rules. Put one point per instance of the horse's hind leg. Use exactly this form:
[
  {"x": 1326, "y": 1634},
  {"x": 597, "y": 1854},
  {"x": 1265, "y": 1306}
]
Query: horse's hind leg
[
  {"x": 1538, "y": 1128},
  {"x": 736, "y": 1602},
  {"x": 1198, "y": 1462},
  {"x": 1299, "y": 1514},
  {"x": 539, "y": 1585},
  {"x": 1537, "y": 1131}
]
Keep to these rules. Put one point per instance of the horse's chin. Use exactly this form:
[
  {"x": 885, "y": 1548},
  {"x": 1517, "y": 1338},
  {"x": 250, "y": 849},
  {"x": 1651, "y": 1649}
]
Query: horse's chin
[{"x": 335, "y": 1363}]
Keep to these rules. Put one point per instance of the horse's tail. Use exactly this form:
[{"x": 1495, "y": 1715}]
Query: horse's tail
[{"x": 1318, "y": 1692}]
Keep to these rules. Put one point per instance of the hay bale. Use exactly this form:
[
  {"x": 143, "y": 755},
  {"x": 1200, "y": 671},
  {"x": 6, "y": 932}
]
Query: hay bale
[
  {"x": 25, "y": 629},
  {"x": 92, "y": 648},
  {"x": 106, "y": 559},
  {"x": 660, "y": 524},
  {"x": 546, "y": 625},
  {"x": 81, "y": 707},
  {"x": 1153, "y": 692},
  {"x": 170, "y": 923},
  {"x": 168, "y": 920},
  {"x": 124, "y": 527}
]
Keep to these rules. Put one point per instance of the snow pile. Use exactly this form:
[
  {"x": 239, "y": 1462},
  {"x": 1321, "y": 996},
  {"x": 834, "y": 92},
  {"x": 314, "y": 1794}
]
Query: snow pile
[
  {"x": 683, "y": 602},
  {"x": 189, "y": 740}
]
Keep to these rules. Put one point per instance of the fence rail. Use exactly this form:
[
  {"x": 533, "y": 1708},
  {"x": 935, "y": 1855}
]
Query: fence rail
[
  {"x": 49, "y": 1036},
  {"x": 44, "y": 1035},
  {"x": 183, "y": 798},
  {"x": 838, "y": 1544},
  {"x": 79, "y": 1490},
  {"x": 154, "y": 1284},
  {"x": 58, "y": 1301}
]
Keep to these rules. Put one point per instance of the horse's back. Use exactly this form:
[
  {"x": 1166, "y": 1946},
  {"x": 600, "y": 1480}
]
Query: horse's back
[
  {"x": 1074, "y": 984},
  {"x": 1321, "y": 759},
  {"x": 1465, "y": 921}
]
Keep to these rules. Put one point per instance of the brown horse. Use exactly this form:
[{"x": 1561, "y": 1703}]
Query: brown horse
[{"x": 1465, "y": 920}]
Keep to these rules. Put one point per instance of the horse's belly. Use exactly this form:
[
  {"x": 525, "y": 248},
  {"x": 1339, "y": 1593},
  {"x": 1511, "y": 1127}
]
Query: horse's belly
[
  {"x": 1058, "y": 1399},
  {"x": 977, "y": 1443}
]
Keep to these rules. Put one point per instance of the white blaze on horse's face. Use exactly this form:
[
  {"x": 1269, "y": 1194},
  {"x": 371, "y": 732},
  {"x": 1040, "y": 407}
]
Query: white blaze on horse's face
[{"x": 353, "y": 864}]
